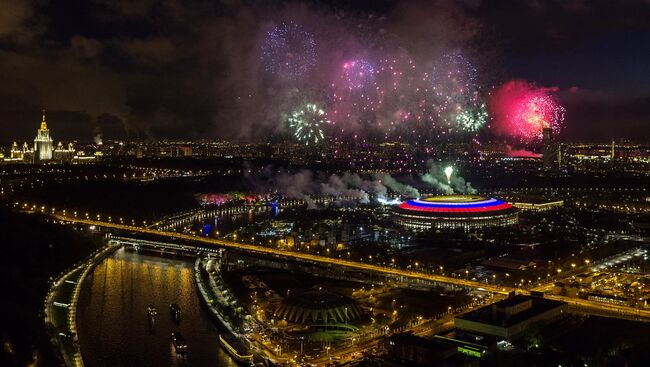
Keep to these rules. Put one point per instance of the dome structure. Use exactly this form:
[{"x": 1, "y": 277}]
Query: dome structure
[
  {"x": 455, "y": 211},
  {"x": 318, "y": 307}
]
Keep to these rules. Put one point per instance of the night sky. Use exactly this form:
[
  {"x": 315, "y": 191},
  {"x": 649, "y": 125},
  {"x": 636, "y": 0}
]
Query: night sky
[{"x": 192, "y": 69}]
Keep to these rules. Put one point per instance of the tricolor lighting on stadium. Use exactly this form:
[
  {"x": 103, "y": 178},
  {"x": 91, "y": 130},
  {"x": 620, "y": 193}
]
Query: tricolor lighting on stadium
[{"x": 455, "y": 211}]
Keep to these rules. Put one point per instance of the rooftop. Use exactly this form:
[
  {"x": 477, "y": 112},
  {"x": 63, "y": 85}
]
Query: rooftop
[{"x": 497, "y": 313}]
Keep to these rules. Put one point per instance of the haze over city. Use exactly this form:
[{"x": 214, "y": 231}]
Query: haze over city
[
  {"x": 325, "y": 183},
  {"x": 195, "y": 69}
]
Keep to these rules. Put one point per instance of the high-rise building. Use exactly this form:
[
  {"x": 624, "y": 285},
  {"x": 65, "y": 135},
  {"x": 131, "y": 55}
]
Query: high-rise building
[
  {"x": 549, "y": 157},
  {"x": 43, "y": 143}
]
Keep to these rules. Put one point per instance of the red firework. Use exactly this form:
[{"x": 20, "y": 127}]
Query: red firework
[{"x": 522, "y": 110}]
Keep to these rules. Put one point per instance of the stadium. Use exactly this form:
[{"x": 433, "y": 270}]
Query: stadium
[
  {"x": 318, "y": 307},
  {"x": 467, "y": 212}
]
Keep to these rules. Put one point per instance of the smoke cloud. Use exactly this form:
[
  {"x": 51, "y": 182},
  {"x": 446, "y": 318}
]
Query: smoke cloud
[
  {"x": 347, "y": 187},
  {"x": 351, "y": 187},
  {"x": 192, "y": 68},
  {"x": 436, "y": 178},
  {"x": 396, "y": 186},
  {"x": 506, "y": 104},
  {"x": 335, "y": 186},
  {"x": 510, "y": 152}
]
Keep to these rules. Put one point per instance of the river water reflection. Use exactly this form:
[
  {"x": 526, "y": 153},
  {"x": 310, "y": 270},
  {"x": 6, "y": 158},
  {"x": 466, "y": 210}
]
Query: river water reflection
[{"x": 114, "y": 328}]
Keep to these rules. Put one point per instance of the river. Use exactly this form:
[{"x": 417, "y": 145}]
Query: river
[{"x": 113, "y": 325}]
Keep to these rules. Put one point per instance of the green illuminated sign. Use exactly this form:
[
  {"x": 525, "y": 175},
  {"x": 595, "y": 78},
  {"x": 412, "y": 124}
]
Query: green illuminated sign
[{"x": 470, "y": 352}]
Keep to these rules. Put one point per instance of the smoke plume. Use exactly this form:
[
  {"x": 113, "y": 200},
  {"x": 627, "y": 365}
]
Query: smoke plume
[
  {"x": 436, "y": 178},
  {"x": 396, "y": 186},
  {"x": 306, "y": 184}
]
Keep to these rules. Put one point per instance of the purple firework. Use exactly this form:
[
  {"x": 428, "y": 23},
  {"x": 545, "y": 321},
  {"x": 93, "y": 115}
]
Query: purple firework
[
  {"x": 288, "y": 51},
  {"x": 454, "y": 77},
  {"x": 358, "y": 74}
]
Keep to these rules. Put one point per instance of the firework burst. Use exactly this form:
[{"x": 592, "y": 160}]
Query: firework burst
[
  {"x": 522, "y": 110},
  {"x": 472, "y": 119},
  {"x": 454, "y": 80},
  {"x": 399, "y": 99},
  {"x": 307, "y": 123},
  {"x": 288, "y": 51},
  {"x": 358, "y": 74},
  {"x": 354, "y": 95},
  {"x": 536, "y": 113}
]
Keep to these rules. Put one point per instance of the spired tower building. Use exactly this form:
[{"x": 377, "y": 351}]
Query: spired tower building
[{"x": 43, "y": 143}]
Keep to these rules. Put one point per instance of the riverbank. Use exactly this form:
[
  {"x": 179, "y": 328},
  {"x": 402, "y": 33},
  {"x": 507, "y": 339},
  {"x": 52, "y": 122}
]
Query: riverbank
[
  {"x": 60, "y": 307},
  {"x": 35, "y": 252},
  {"x": 235, "y": 344}
]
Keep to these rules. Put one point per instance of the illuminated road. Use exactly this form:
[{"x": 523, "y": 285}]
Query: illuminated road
[
  {"x": 293, "y": 255},
  {"x": 604, "y": 309},
  {"x": 615, "y": 310}
]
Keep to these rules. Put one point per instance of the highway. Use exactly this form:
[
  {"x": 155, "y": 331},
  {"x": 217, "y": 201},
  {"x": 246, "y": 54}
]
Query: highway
[
  {"x": 292, "y": 254},
  {"x": 614, "y": 310}
]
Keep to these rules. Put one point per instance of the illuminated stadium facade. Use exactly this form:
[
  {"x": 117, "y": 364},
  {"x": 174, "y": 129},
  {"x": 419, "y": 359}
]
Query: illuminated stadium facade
[
  {"x": 316, "y": 307},
  {"x": 467, "y": 212}
]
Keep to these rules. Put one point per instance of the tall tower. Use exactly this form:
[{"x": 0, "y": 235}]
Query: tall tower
[
  {"x": 550, "y": 153},
  {"x": 43, "y": 143}
]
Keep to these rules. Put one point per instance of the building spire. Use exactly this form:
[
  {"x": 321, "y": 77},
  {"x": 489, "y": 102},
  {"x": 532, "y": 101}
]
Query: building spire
[{"x": 43, "y": 123}]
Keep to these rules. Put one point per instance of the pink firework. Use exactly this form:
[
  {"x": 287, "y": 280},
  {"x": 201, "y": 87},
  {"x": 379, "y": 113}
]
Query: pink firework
[
  {"x": 536, "y": 113},
  {"x": 358, "y": 74},
  {"x": 356, "y": 95},
  {"x": 395, "y": 97},
  {"x": 523, "y": 110}
]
